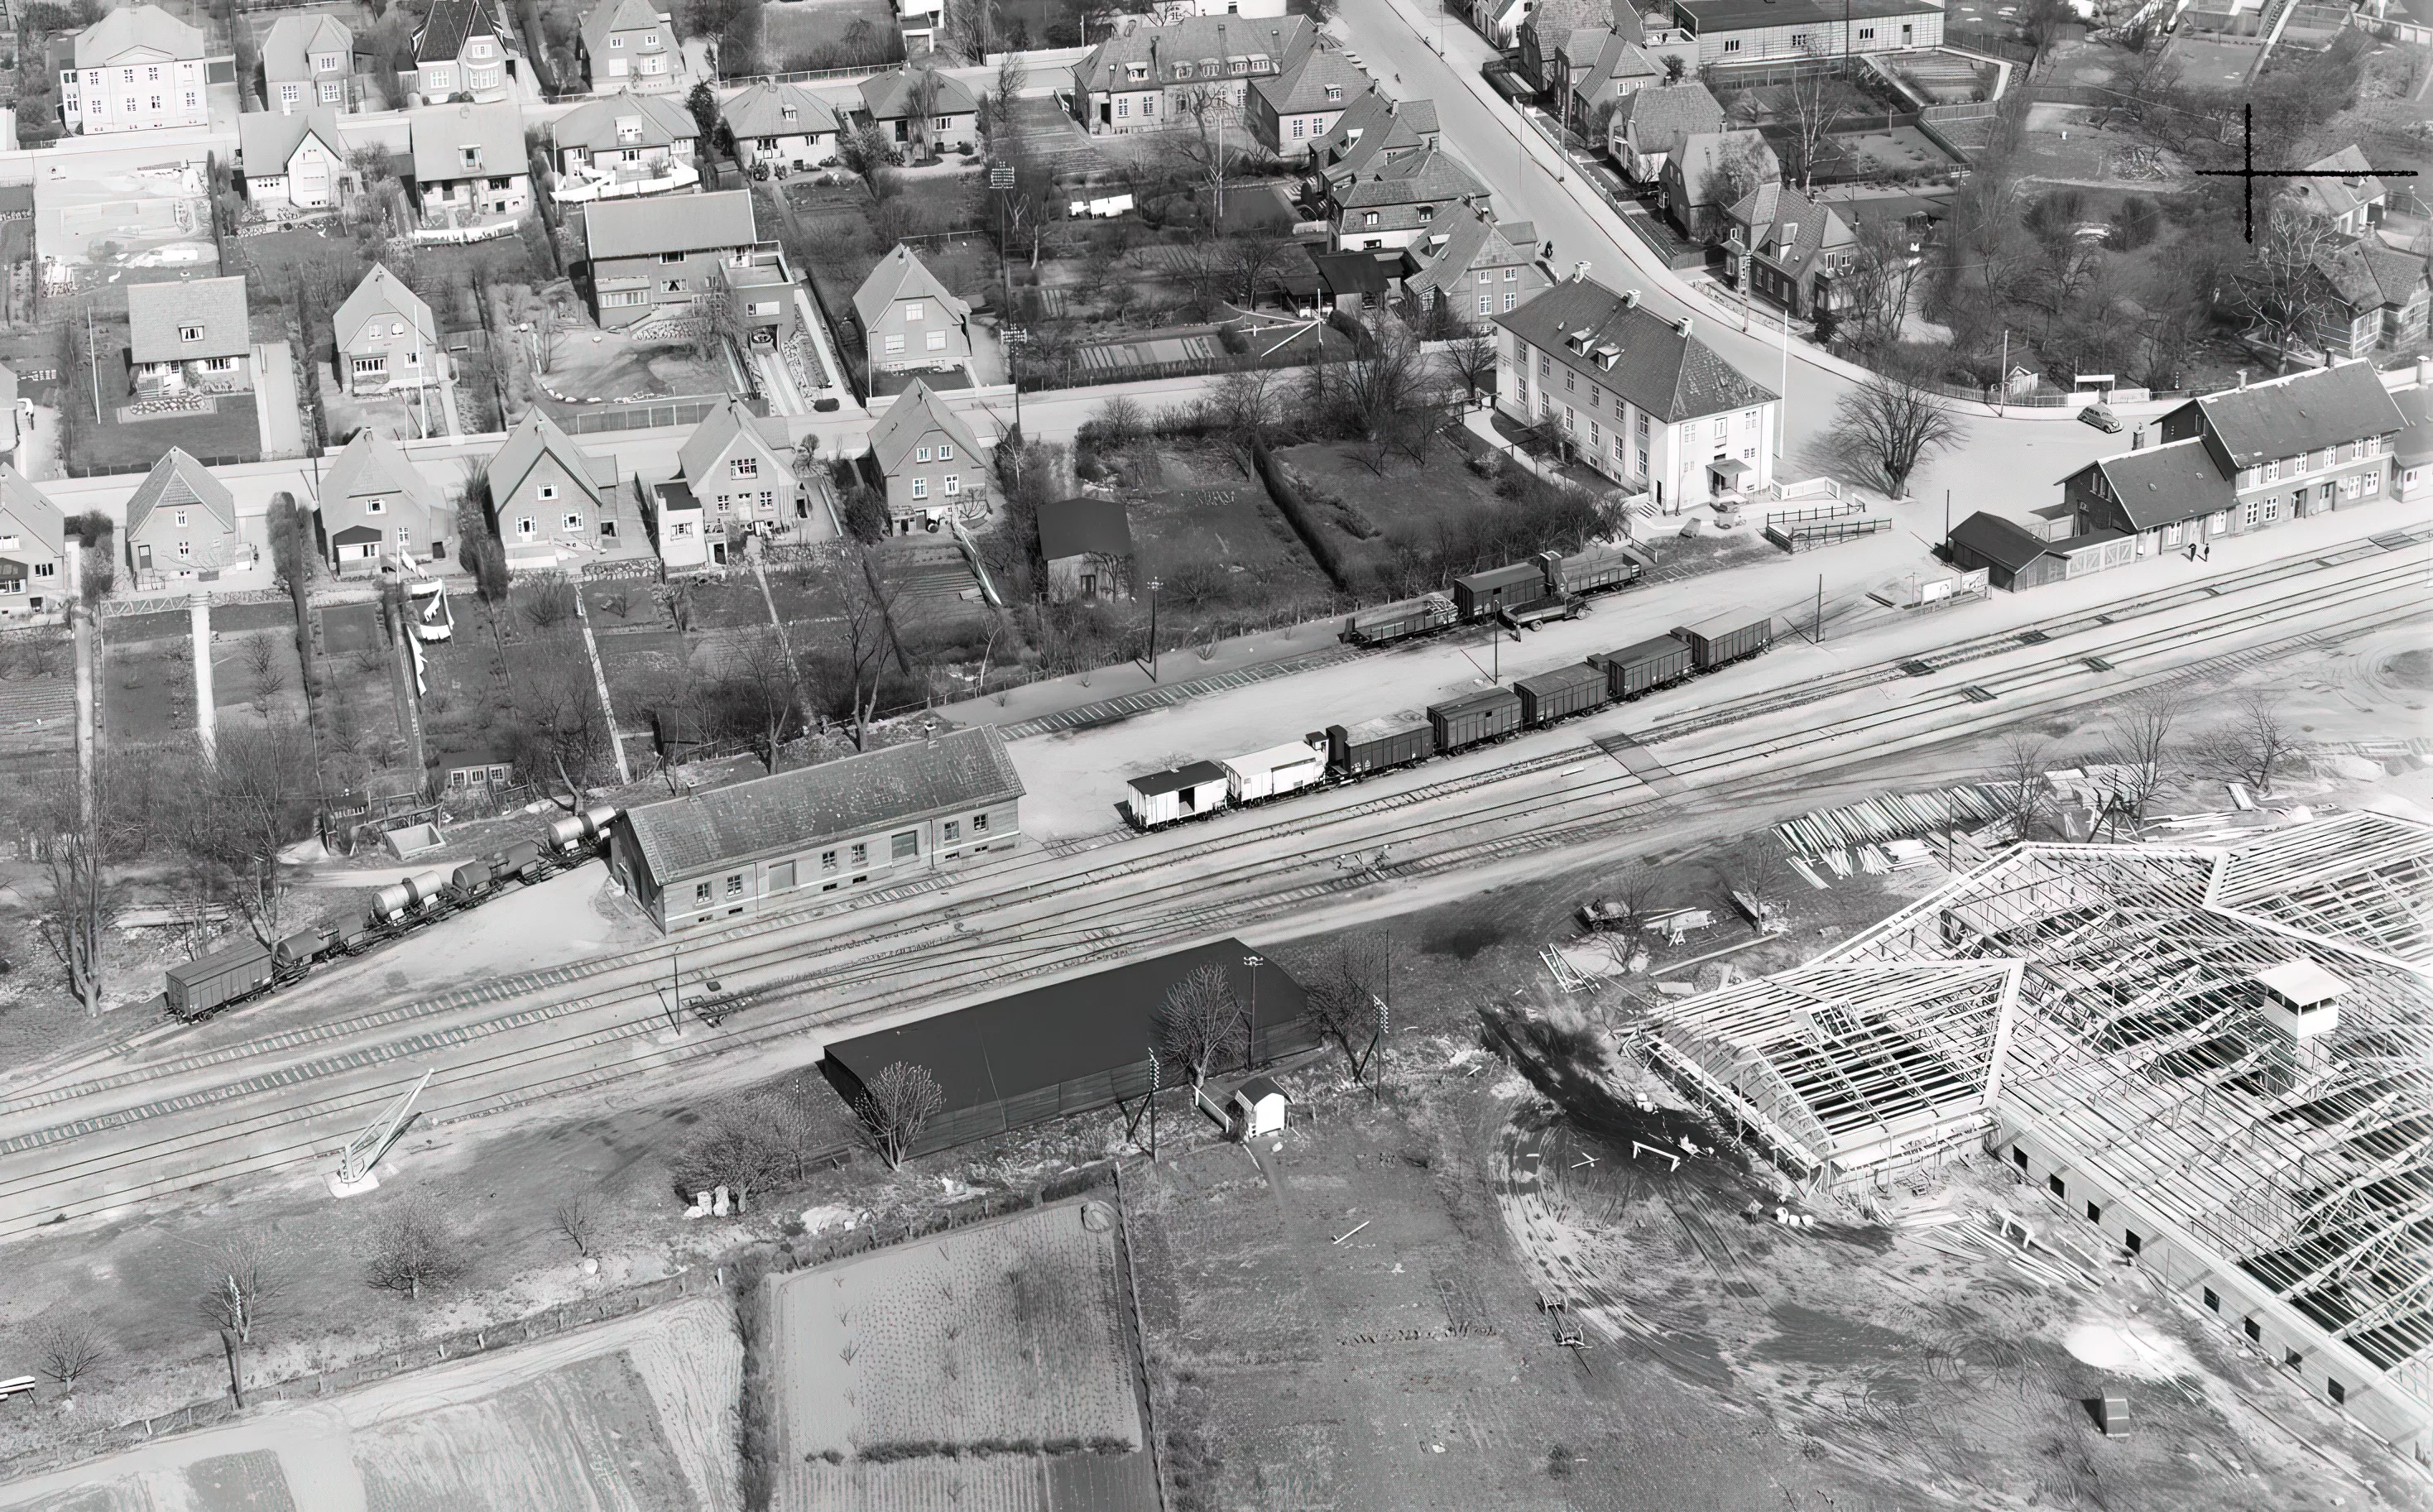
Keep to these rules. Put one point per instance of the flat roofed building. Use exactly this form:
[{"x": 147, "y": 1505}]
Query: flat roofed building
[
  {"x": 1749, "y": 31},
  {"x": 828, "y": 829}
]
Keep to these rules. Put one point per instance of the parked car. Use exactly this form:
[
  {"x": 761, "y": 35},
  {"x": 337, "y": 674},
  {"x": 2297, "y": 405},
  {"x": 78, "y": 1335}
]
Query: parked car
[{"x": 2102, "y": 417}]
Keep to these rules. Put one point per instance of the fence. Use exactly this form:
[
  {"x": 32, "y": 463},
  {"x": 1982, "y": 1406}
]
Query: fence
[
  {"x": 635, "y": 418},
  {"x": 1972, "y": 110},
  {"x": 1990, "y": 43}
]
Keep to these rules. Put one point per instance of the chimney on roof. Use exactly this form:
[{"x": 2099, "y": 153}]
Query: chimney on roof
[
  {"x": 2137, "y": 438},
  {"x": 2243, "y": 378},
  {"x": 1630, "y": 298},
  {"x": 1580, "y": 272},
  {"x": 1684, "y": 327}
]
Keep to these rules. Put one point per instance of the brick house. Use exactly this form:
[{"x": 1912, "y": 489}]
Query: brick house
[
  {"x": 182, "y": 525},
  {"x": 1795, "y": 249},
  {"x": 1475, "y": 266},
  {"x": 387, "y": 336},
  {"x": 929, "y": 462},
  {"x": 624, "y": 44},
  {"x": 1705, "y": 171},
  {"x": 1145, "y": 78},
  {"x": 783, "y": 125},
  {"x": 647, "y": 255},
  {"x": 375, "y": 506},
  {"x": 463, "y": 47},
  {"x": 549, "y": 498},
  {"x": 189, "y": 337},
  {"x": 2372, "y": 297},
  {"x": 908, "y": 322},
  {"x": 308, "y": 61},
  {"x": 1395, "y": 203}
]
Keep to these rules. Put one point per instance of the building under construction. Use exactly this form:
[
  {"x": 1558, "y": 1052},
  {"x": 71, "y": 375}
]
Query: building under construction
[{"x": 2223, "y": 1056}]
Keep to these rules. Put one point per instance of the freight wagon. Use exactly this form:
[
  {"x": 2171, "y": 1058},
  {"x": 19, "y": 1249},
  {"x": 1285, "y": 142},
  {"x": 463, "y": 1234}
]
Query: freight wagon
[
  {"x": 1259, "y": 775},
  {"x": 1566, "y": 690},
  {"x": 1170, "y": 797},
  {"x": 1643, "y": 667},
  {"x": 230, "y": 975},
  {"x": 1594, "y": 570},
  {"x": 1480, "y": 595},
  {"x": 1400, "y": 622},
  {"x": 1489, "y": 714},
  {"x": 1721, "y": 639},
  {"x": 1375, "y": 745}
]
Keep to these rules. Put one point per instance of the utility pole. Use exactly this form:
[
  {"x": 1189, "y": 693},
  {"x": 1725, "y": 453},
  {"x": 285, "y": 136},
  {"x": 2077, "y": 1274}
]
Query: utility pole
[
  {"x": 1947, "y": 519},
  {"x": 81, "y": 618},
  {"x": 1154, "y": 586},
  {"x": 2002, "y": 378},
  {"x": 93, "y": 364},
  {"x": 1820, "y": 608}
]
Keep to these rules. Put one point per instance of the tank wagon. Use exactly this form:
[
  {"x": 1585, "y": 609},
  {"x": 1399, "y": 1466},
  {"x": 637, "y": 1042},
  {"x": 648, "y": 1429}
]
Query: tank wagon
[{"x": 246, "y": 969}]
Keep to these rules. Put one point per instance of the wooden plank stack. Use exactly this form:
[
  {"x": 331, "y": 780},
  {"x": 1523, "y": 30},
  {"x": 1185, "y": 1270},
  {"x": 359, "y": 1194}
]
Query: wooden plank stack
[{"x": 1893, "y": 816}]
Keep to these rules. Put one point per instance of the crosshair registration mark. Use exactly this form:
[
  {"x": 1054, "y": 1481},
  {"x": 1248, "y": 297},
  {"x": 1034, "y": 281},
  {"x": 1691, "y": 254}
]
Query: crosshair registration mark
[{"x": 2248, "y": 172}]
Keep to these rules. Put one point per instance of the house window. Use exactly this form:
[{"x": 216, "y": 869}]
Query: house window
[
  {"x": 2339, "y": 1393},
  {"x": 1866, "y": 34},
  {"x": 954, "y": 483},
  {"x": 827, "y": 860},
  {"x": 574, "y": 522},
  {"x": 471, "y": 156},
  {"x": 404, "y": 535},
  {"x": 1511, "y": 302},
  {"x": 921, "y": 453},
  {"x": 945, "y": 453},
  {"x": 672, "y": 257},
  {"x": 290, "y": 94},
  {"x": 2254, "y": 512},
  {"x": 920, "y": 487},
  {"x": 744, "y": 467},
  {"x": 701, "y": 892},
  {"x": 980, "y": 823},
  {"x": 937, "y": 340},
  {"x": 220, "y": 364},
  {"x": 861, "y": 852},
  {"x": 615, "y": 44},
  {"x": 2272, "y": 507},
  {"x": 2212, "y": 1299},
  {"x": 954, "y": 830},
  {"x": 524, "y": 526},
  {"x": 375, "y": 506},
  {"x": 2058, "y": 1187},
  {"x": 190, "y": 333},
  {"x": 2273, "y": 471},
  {"x": 905, "y": 846},
  {"x": 181, "y": 519},
  {"x": 1369, "y": 217},
  {"x": 734, "y": 886},
  {"x": 185, "y": 549},
  {"x": 548, "y": 491},
  {"x": 1732, "y": 44},
  {"x": 671, "y": 286},
  {"x": 894, "y": 343},
  {"x": 2374, "y": 482},
  {"x": 1296, "y": 127},
  {"x": 912, "y": 310},
  {"x": 1723, "y": 427},
  {"x": 1485, "y": 300}
]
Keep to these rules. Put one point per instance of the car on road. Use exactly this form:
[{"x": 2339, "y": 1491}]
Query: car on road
[{"x": 2099, "y": 417}]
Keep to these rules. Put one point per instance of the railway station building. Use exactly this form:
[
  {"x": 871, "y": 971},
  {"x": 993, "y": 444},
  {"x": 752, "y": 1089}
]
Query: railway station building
[
  {"x": 836, "y": 828},
  {"x": 1075, "y": 1044}
]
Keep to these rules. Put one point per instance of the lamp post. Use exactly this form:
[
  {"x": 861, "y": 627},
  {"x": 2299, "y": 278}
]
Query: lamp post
[
  {"x": 1154, "y": 586},
  {"x": 1249, "y": 1032}
]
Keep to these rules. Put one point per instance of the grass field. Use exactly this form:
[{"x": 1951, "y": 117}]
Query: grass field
[
  {"x": 1365, "y": 509},
  {"x": 798, "y": 34}
]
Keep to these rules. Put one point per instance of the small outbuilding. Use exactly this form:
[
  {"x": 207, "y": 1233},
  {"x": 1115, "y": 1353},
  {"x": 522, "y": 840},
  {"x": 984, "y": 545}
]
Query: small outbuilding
[
  {"x": 1186, "y": 792},
  {"x": 1259, "y": 1107},
  {"x": 1087, "y": 543},
  {"x": 2015, "y": 558}
]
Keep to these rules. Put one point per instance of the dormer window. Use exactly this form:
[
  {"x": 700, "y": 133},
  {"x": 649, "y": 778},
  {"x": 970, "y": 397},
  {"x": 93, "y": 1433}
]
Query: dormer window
[
  {"x": 190, "y": 333},
  {"x": 1182, "y": 70},
  {"x": 629, "y": 128},
  {"x": 472, "y": 155},
  {"x": 1335, "y": 95},
  {"x": 1427, "y": 213},
  {"x": 786, "y": 112},
  {"x": 1135, "y": 71}
]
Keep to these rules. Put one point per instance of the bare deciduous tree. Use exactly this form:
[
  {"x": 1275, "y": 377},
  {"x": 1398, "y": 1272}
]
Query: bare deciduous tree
[
  {"x": 1753, "y": 865},
  {"x": 868, "y": 602},
  {"x": 769, "y": 687},
  {"x": 2141, "y": 742},
  {"x": 2255, "y": 742},
  {"x": 72, "y": 915},
  {"x": 1472, "y": 360},
  {"x": 253, "y": 796},
  {"x": 1348, "y": 993},
  {"x": 412, "y": 1246},
  {"x": 2282, "y": 286},
  {"x": 2019, "y": 781},
  {"x": 1818, "y": 99},
  {"x": 241, "y": 1288},
  {"x": 67, "y": 1347},
  {"x": 1251, "y": 254},
  {"x": 1199, "y": 1017},
  {"x": 547, "y": 602},
  {"x": 894, "y": 1106},
  {"x": 1890, "y": 424},
  {"x": 1883, "y": 280},
  {"x": 578, "y": 1221}
]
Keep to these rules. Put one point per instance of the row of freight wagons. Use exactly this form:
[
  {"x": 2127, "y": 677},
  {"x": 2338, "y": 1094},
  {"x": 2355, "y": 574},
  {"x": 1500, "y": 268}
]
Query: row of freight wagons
[
  {"x": 1543, "y": 587},
  {"x": 1345, "y": 752}
]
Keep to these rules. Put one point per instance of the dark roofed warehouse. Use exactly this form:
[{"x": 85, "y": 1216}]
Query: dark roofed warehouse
[{"x": 1067, "y": 1047}]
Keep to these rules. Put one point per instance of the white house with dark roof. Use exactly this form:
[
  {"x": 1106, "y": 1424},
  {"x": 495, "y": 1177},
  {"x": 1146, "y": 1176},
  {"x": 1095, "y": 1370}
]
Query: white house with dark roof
[
  {"x": 1634, "y": 396},
  {"x": 387, "y": 336},
  {"x": 2372, "y": 296},
  {"x": 930, "y": 462},
  {"x": 550, "y": 500},
  {"x": 309, "y": 61},
  {"x": 783, "y": 125},
  {"x": 840, "y": 827},
  {"x": 137, "y": 68},
  {"x": 33, "y": 549},
  {"x": 626, "y": 144},
  {"x": 645, "y": 255},
  {"x": 1396, "y": 203},
  {"x": 627, "y": 44},
  {"x": 464, "y": 48},
  {"x": 192, "y": 336},
  {"x": 182, "y": 525},
  {"x": 296, "y": 159},
  {"x": 1648, "y": 124},
  {"x": 1291, "y": 113},
  {"x": 909, "y": 321},
  {"x": 1147, "y": 78},
  {"x": 469, "y": 164},
  {"x": 1795, "y": 251},
  {"x": 739, "y": 470},
  {"x": 949, "y": 121},
  {"x": 2349, "y": 195},
  {"x": 376, "y": 508},
  {"x": 1476, "y": 267}
]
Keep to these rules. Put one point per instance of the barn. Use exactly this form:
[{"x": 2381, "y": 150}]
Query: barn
[{"x": 1068, "y": 1047}]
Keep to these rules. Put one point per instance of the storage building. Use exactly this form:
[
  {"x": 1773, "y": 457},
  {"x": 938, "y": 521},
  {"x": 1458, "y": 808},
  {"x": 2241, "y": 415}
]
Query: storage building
[
  {"x": 842, "y": 826},
  {"x": 1070, "y": 1046},
  {"x": 2014, "y": 557}
]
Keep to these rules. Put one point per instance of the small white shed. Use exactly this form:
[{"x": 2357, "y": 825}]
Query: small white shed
[
  {"x": 1164, "y": 797},
  {"x": 1259, "y": 1107}
]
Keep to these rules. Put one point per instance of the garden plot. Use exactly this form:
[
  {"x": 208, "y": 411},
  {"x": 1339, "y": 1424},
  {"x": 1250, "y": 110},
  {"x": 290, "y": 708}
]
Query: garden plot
[
  {"x": 607, "y": 364},
  {"x": 154, "y": 216},
  {"x": 1003, "y": 1338}
]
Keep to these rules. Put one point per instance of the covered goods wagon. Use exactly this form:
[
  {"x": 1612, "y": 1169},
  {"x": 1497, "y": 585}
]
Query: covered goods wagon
[
  {"x": 197, "y": 987},
  {"x": 1485, "y": 715},
  {"x": 1480, "y": 595},
  {"x": 1550, "y": 696},
  {"x": 1186, "y": 792},
  {"x": 1274, "y": 771},
  {"x": 1373, "y": 745},
  {"x": 1650, "y": 664},
  {"x": 1728, "y": 636}
]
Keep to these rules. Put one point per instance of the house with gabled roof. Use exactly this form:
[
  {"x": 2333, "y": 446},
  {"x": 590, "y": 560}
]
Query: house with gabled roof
[
  {"x": 550, "y": 500},
  {"x": 646, "y": 255},
  {"x": 1145, "y": 77},
  {"x": 1636, "y": 396},
  {"x": 908, "y": 320},
  {"x": 930, "y": 460},
  {"x": 1795, "y": 249},
  {"x": 783, "y": 125},
  {"x": 2411, "y": 460},
  {"x": 627, "y": 139},
  {"x": 1605, "y": 67},
  {"x": 2347, "y": 193},
  {"x": 375, "y": 508},
  {"x": 1292, "y": 111},
  {"x": 464, "y": 48},
  {"x": 470, "y": 161},
  {"x": 1707, "y": 172},
  {"x": 182, "y": 523},
  {"x": 949, "y": 121},
  {"x": 192, "y": 336},
  {"x": 738, "y": 467},
  {"x": 1544, "y": 39},
  {"x": 1396, "y": 202},
  {"x": 1086, "y": 542},
  {"x": 624, "y": 44},
  {"x": 1373, "y": 129},
  {"x": 1474, "y": 266},
  {"x": 297, "y": 160},
  {"x": 1647, "y": 124},
  {"x": 309, "y": 61},
  {"x": 2372, "y": 296},
  {"x": 387, "y": 336},
  {"x": 2015, "y": 558},
  {"x": 33, "y": 548},
  {"x": 137, "y": 68}
]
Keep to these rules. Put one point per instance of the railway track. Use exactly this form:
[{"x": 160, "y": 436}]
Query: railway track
[{"x": 959, "y": 961}]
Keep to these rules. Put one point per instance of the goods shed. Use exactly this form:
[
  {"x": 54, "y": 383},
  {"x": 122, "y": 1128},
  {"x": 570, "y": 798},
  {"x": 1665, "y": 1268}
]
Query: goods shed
[{"x": 1069, "y": 1046}]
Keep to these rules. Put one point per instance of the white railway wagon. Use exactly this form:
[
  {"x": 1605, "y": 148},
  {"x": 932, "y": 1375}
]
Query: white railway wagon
[
  {"x": 1170, "y": 797},
  {"x": 1274, "y": 771}
]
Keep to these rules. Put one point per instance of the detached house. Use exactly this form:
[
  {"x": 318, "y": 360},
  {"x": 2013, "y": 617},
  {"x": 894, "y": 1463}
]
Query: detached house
[
  {"x": 1087, "y": 543},
  {"x": 1373, "y": 130},
  {"x": 624, "y": 44},
  {"x": 308, "y": 61},
  {"x": 1559, "y": 42},
  {"x": 1476, "y": 267},
  {"x": 2247, "y": 459},
  {"x": 375, "y": 508},
  {"x": 468, "y": 161},
  {"x": 1292, "y": 111},
  {"x": 1395, "y": 203},
  {"x": 1707, "y": 172},
  {"x": 189, "y": 337},
  {"x": 1634, "y": 396},
  {"x": 387, "y": 336},
  {"x": 137, "y": 68},
  {"x": 647, "y": 255},
  {"x": 1605, "y": 68},
  {"x": 2412, "y": 454},
  {"x": 299, "y": 161},
  {"x": 550, "y": 498},
  {"x": 1147, "y": 78},
  {"x": 925, "y": 108},
  {"x": 462, "y": 48},
  {"x": 33, "y": 548},
  {"x": 783, "y": 125},
  {"x": 1794, "y": 251},
  {"x": 2348, "y": 196},
  {"x": 909, "y": 321},
  {"x": 182, "y": 525},
  {"x": 2372, "y": 296},
  {"x": 627, "y": 140},
  {"x": 1648, "y": 124},
  {"x": 736, "y": 469},
  {"x": 930, "y": 462}
]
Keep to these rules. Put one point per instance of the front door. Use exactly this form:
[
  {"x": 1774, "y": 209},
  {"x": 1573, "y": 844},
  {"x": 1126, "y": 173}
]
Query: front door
[{"x": 143, "y": 557}]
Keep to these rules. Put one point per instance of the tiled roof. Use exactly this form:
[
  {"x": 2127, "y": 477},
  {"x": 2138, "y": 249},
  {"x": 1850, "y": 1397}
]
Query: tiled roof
[
  {"x": 2415, "y": 445},
  {"x": 177, "y": 480},
  {"x": 1998, "y": 541},
  {"x": 288, "y": 47},
  {"x": 31, "y": 510},
  {"x": 1471, "y": 241},
  {"x": 381, "y": 296},
  {"x": 912, "y": 414},
  {"x": 593, "y": 124},
  {"x": 2354, "y": 187},
  {"x": 1652, "y": 119},
  {"x": 1264, "y": 45},
  {"x": 2367, "y": 275},
  {"x": 1084, "y": 526},
  {"x": 447, "y": 27},
  {"x": 1617, "y": 57},
  {"x": 2282, "y": 417},
  {"x": 1399, "y": 187},
  {"x": 680, "y": 837},
  {"x": 1769, "y": 212},
  {"x": 610, "y": 16},
  {"x": 1700, "y": 153},
  {"x": 141, "y": 29},
  {"x": 2163, "y": 484},
  {"x": 266, "y": 140},
  {"x": 156, "y": 311},
  {"x": 535, "y": 436},
  {"x": 1301, "y": 89},
  {"x": 1374, "y": 125},
  {"x": 670, "y": 223},
  {"x": 442, "y": 132},
  {"x": 1556, "y": 20},
  {"x": 1657, "y": 367},
  {"x": 760, "y": 111},
  {"x": 901, "y": 275},
  {"x": 889, "y": 97},
  {"x": 718, "y": 430},
  {"x": 373, "y": 464}
]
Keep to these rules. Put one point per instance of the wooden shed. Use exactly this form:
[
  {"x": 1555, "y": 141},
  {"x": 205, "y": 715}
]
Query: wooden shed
[
  {"x": 1087, "y": 543},
  {"x": 1259, "y": 1108}
]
